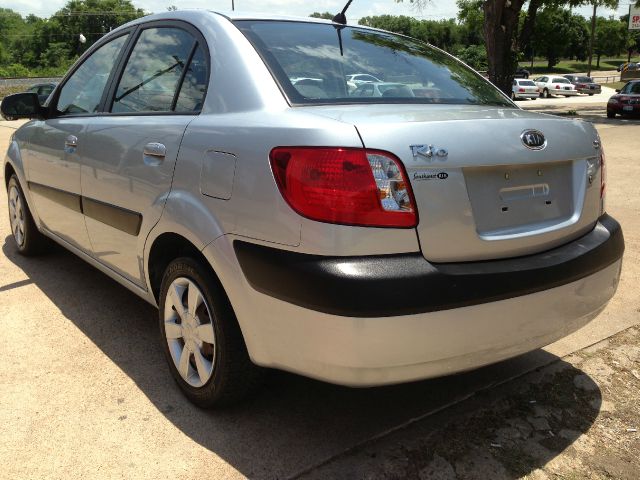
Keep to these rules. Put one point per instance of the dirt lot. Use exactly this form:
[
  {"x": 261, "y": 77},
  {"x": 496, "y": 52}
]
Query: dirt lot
[{"x": 85, "y": 392}]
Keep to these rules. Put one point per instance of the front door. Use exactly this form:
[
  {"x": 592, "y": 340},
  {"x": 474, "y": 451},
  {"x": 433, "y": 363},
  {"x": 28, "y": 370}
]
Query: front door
[
  {"x": 57, "y": 145},
  {"x": 128, "y": 170}
]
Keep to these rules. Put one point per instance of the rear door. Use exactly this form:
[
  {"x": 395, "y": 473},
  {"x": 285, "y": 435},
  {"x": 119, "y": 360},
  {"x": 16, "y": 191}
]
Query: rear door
[{"x": 127, "y": 172}]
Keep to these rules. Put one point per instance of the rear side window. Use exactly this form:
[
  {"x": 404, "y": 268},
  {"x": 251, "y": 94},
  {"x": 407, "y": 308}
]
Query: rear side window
[
  {"x": 319, "y": 63},
  {"x": 154, "y": 72},
  {"x": 194, "y": 86},
  {"x": 83, "y": 90}
]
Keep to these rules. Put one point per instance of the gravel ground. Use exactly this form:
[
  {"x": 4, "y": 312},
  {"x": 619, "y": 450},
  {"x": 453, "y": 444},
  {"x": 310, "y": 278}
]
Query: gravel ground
[{"x": 574, "y": 419}]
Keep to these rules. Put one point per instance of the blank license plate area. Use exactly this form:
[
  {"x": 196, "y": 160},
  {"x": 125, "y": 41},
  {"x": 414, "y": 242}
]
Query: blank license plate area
[
  {"x": 628, "y": 108},
  {"x": 509, "y": 197}
]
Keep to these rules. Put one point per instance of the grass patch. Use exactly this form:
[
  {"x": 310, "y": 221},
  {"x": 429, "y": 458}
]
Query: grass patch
[
  {"x": 615, "y": 85},
  {"x": 572, "y": 66}
]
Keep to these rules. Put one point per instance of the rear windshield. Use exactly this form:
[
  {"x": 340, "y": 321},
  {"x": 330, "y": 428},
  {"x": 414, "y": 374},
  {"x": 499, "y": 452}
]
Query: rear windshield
[
  {"x": 318, "y": 63},
  {"x": 560, "y": 80},
  {"x": 526, "y": 83},
  {"x": 584, "y": 80}
]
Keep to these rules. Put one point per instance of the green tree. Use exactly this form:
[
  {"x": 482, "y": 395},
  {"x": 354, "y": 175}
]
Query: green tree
[
  {"x": 474, "y": 55},
  {"x": 92, "y": 18},
  {"x": 501, "y": 20},
  {"x": 613, "y": 4},
  {"x": 325, "y": 15},
  {"x": 611, "y": 38},
  {"x": 471, "y": 19}
]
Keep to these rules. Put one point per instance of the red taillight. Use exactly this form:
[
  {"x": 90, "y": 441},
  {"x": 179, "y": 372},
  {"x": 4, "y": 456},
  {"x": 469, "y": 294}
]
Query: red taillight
[
  {"x": 521, "y": 89},
  {"x": 350, "y": 186},
  {"x": 558, "y": 87}
]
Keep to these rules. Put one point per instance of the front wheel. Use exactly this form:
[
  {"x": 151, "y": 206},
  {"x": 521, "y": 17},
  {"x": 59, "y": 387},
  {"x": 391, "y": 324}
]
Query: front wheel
[
  {"x": 28, "y": 238},
  {"x": 591, "y": 94},
  {"x": 201, "y": 337},
  {"x": 611, "y": 114},
  {"x": 545, "y": 93}
]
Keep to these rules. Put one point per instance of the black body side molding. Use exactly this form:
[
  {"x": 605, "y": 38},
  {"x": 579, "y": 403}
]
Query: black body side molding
[{"x": 112, "y": 215}]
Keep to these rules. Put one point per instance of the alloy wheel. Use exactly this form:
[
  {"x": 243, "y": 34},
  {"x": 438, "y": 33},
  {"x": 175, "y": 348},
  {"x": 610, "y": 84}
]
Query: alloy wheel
[
  {"x": 188, "y": 328},
  {"x": 16, "y": 215}
]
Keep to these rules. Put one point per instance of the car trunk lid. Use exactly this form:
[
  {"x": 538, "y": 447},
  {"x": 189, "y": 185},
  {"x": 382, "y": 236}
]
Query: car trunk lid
[{"x": 480, "y": 192}]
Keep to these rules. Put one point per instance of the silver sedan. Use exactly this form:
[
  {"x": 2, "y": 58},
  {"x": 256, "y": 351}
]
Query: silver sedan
[{"x": 220, "y": 167}]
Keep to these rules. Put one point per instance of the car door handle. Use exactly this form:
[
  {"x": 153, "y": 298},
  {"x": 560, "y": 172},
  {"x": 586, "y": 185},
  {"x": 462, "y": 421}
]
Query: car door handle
[
  {"x": 71, "y": 141},
  {"x": 154, "y": 149}
]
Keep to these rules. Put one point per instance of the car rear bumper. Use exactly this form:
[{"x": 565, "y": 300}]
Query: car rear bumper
[
  {"x": 358, "y": 328},
  {"x": 589, "y": 90},
  {"x": 391, "y": 285},
  {"x": 527, "y": 95}
]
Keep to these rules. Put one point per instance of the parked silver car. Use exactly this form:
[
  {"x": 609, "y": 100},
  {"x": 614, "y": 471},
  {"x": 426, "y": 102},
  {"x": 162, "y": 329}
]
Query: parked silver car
[{"x": 357, "y": 240}]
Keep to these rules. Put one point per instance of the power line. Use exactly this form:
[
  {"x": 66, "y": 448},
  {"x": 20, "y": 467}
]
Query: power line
[{"x": 81, "y": 14}]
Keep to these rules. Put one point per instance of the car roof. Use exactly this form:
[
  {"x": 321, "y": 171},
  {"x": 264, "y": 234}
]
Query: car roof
[{"x": 194, "y": 14}]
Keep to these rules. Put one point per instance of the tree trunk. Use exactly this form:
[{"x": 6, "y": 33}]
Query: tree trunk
[
  {"x": 500, "y": 34},
  {"x": 592, "y": 38},
  {"x": 598, "y": 60},
  {"x": 526, "y": 34}
]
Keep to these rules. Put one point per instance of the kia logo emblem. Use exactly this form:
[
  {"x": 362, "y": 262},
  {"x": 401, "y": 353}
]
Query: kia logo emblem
[{"x": 533, "y": 139}]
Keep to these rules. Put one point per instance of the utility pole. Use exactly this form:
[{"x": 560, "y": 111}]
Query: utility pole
[
  {"x": 593, "y": 34},
  {"x": 233, "y": 5}
]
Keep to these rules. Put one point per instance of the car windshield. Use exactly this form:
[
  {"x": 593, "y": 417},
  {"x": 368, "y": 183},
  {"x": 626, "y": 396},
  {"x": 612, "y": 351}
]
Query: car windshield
[
  {"x": 294, "y": 50},
  {"x": 631, "y": 88}
]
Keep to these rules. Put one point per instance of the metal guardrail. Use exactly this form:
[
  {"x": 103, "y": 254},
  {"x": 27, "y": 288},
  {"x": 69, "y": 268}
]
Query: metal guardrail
[
  {"x": 19, "y": 81},
  {"x": 606, "y": 79}
]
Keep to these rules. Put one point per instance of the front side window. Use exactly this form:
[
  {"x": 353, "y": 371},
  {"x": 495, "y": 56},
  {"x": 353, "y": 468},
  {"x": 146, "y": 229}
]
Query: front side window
[
  {"x": 83, "y": 90},
  {"x": 339, "y": 60},
  {"x": 153, "y": 72}
]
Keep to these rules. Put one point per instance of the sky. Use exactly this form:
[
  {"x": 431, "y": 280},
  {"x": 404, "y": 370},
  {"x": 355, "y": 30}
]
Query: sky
[{"x": 437, "y": 9}]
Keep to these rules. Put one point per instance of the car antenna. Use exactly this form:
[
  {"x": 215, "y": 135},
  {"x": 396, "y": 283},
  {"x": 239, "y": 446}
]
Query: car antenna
[{"x": 341, "y": 18}]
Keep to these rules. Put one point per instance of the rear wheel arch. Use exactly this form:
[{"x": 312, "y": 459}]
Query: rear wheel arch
[
  {"x": 8, "y": 172},
  {"x": 165, "y": 248}
]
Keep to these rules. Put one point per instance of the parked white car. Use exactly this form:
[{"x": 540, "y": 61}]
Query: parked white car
[
  {"x": 523, "y": 88},
  {"x": 551, "y": 85}
]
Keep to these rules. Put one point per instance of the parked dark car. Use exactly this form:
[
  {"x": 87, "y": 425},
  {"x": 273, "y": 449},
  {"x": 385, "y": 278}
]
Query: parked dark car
[
  {"x": 522, "y": 73},
  {"x": 628, "y": 66},
  {"x": 584, "y": 84},
  {"x": 43, "y": 90},
  {"x": 626, "y": 101}
]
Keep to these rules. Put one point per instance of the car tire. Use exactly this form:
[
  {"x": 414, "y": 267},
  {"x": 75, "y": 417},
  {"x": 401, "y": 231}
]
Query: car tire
[
  {"x": 591, "y": 94},
  {"x": 24, "y": 231},
  {"x": 513, "y": 96},
  {"x": 203, "y": 345},
  {"x": 611, "y": 114},
  {"x": 545, "y": 93}
]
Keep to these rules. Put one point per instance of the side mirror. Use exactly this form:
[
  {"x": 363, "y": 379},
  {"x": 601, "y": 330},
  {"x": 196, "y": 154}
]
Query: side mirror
[
  {"x": 617, "y": 90},
  {"x": 22, "y": 105}
]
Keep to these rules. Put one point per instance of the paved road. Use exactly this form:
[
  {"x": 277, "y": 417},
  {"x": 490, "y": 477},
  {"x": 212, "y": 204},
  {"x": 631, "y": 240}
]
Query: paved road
[
  {"x": 580, "y": 99},
  {"x": 85, "y": 393}
]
